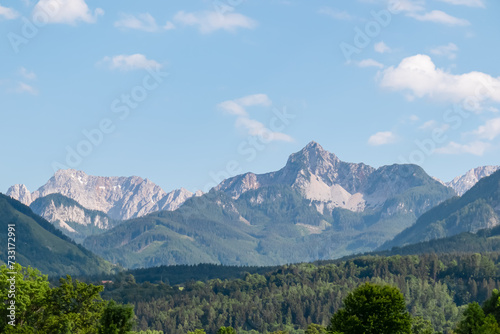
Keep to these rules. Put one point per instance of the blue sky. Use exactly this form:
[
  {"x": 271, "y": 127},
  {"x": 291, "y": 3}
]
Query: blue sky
[{"x": 187, "y": 93}]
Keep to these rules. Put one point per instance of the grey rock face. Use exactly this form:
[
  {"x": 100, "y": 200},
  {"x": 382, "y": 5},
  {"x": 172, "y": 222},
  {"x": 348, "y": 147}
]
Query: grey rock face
[
  {"x": 464, "y": 182},
  {"x": 61, "y": 214},
  {"x": 330, "y": 183},
  {"x": 119, "y": 197},
  {"x": 20, "y": 193}
]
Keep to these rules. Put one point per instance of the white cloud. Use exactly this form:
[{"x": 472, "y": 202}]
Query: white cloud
[
  {"x": 130, "y": 62},
  {"x": 370, "y": 63},
  {"x": 336, "y": 14},
  {"x": 8, "y": 13},
  {"x": 449, "y": 50},
  {"x": 432, "y": 124},
  {"x": 490, "y": 130},
  {"x": 210, "y": 21},
  {"x": 250, "y": 126},
  {"x": 407, "y": 6},
  {"x": 236, "y": 107},
  {"x": 470, "y": 3},
  {"x": 256, "y": 128},
  {"x": 232, "y": 108},
  {"x": 414, "y": 118},
  {"x": 428, "y": 125},
  {"x": 66, "y": 11},
  {"x": 30, "y": 75},
  {"x": 382, "y": 138},
  {"x": 254, "y": 100},
  {"x": 381, "y": 47},
  {"x": 416, "y": 8},
  {"x": 419, "y": 76},
  {"x": 23, "y": 87},
  {"x": 476, "y": 148},
  {"x": 438, "y": 16},
  {"x": 143, "y": 22},
  {"x": 169, "y": 26}
]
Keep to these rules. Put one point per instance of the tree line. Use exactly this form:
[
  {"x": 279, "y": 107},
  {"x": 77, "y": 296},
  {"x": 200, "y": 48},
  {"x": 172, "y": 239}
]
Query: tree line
[
  {"x": 438, "y": 294},
  {"x": 436, "y": 288}
]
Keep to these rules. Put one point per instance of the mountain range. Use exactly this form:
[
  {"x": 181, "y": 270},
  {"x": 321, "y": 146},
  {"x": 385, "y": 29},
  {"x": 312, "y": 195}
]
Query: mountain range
[
  {"x": 316, "y": 207},
  {"x": 119, "y": 197},
  {"x": 324, "y": 207}
]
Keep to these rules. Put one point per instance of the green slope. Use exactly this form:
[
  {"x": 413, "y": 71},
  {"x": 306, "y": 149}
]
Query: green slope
[
  {"x": 39, "y": 244},
  {"x": 477, "y": 209},
  {"x": 268, "y": 226}
]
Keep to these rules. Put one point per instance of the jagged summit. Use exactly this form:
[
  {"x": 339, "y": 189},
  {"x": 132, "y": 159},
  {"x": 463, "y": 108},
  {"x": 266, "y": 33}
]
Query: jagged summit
[
  {"x": 312, "y": 151},
  {"x": 313, "y": 146},
  {"x": 21, "y": 193},
  {"x": 461, "y": 184},
  {"x": 119, "y": 197},
  {"x": 312, "y": 157},
  {"x": 329, "y": 182}
]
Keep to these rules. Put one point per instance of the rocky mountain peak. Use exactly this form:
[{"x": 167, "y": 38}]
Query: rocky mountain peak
[
  {"x": 119, "y": 197},
  {"x": 312, "y": 158},
  {"x": 21, "y": 193},
  {"x": 461, "y": 184}
]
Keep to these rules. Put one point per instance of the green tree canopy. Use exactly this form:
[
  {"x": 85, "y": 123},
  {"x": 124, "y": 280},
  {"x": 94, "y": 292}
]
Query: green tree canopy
[
  {"x": 372, "y": 309},
  {"x": 315, "y": 329},
  {"x": 492, "y": 305},
  {"x": 473, "y": 319},
  {"x": 73, "y": 307},
  {"x": 477, "y": 320},
  {"x": 226, "y": 330},
  {"x": 117, "y": 319},
  {"x": 31, "y": 288}
]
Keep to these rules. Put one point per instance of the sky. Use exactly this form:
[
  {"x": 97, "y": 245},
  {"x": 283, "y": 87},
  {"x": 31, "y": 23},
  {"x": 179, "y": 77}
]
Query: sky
[{"x": 187, "y": 93}]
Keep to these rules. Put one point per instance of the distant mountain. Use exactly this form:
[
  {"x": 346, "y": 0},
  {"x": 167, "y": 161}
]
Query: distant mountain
[
  {"x": 330, "y": 183},
  {"x": 461, "y": 184},
  {"x": 477, "y": 209},
  {"x": 70, "y": 217},
  {"x": 316, "y": 207},
  {"x": 119, "y": 197},
  {"x": 39, "y": 244}
]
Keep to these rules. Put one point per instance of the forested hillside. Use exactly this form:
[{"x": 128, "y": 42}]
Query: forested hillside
[
  {"x": 291, "y": 297},
  {"x": 39, "y": 244},
  {"x": 477, "y": 209}
]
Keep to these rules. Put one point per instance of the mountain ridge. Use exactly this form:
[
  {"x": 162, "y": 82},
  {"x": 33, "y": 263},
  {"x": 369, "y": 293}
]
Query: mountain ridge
[
  {"x": 119, "y": 197},
  {"x": 461, "y": 184},
  {"x": 328, "y": 181},
  {"x": 253, "y": 219},
  {"x": 476, "y": 209},
  {"x": 73, "y": 219}
]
